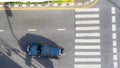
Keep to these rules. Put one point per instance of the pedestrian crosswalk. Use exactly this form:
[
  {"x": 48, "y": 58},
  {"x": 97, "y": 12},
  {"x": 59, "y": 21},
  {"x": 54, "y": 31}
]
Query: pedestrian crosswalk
[{"x": 87, "y": 38}]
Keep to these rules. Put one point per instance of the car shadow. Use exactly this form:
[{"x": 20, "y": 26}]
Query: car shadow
[{"x": 29, "y": 38}]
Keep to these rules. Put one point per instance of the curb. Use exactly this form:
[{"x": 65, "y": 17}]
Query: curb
[{"x": 87, "y": 4}]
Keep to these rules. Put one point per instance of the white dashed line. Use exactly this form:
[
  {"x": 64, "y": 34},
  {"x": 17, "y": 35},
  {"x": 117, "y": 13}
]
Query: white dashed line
[
  {"x": 114, "y": 43},
  {"x": 115, "y": 60},
  {"x": 114, "y": 50},
  {"x": 32, "y": 29},
  {"x": 113, "y": 19},
  {"x": 113, "y": 27},
  {"x": 113, "y": 10},
  {"x": 1, "y": 30},
  {"x": 115, "y": 65},
  {"x": 114, "y": 35},
  {"x": 61, "y": 29},
  {"x": 115, "y": 57}
]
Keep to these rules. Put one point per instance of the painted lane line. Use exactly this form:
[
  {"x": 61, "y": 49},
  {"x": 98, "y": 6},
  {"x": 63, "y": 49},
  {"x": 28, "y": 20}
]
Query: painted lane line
[
  {"x": 32, "y": 29},
  {"x": 113, "y": 19},
  {"x": 87, "y": 40},
  {"x": 114, "y": 43},
  {"x": 114, "y": 50},
  {"x": 87, "y": 34},
  {"x": 88, "y": 28},
  {"x": 115, "y": 65},
  {"x": 115, "y": 57},
  {"x": 114, "y": 35},
  {"x": 113, "y": 27},
  {"x": 87, "y": 16},
  {"x": 113, "y": 10},
  {"x": 87, "y": 53},
  {"x": 87, "y": 60},
  {"x": 1, "y": 30},
  {"x": 61, "y": 29},
  {"x": 88, "y": 22},
  {"x": 87, "y": 47},
  {"x": 87, "y": 10},
  {"x": 87, "y": 66}
]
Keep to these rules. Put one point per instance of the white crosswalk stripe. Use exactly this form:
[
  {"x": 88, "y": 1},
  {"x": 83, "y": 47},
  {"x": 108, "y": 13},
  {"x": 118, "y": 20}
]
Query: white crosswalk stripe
[
  {"x": 87, "y": 66},
  {"x": 87, "y": 47},
  {"x": 87, "y": 60},
  {"x": 87, "y": 10},
  {"x": 84, "y": 53},
  {"x": 87, "y": 53},
  {"x": 87, "y": 34},
  {"x": 88, "y": 28},
  {"x": 88, "y": 22},
  {"x": 87, "y": 16}
]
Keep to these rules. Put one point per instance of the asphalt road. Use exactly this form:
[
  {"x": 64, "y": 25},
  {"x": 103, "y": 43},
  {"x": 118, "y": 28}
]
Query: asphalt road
[
  {"x": 20, "y": 27},
  {"x": 107, "y": 31}
]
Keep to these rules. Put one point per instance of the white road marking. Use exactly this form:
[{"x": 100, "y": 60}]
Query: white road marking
[
  {"x": 113, "y": 19},
  {"x": 87, "y": 16},
  {"x": 87, "y": 34},
  {"x": 115, "y": 57},
  {"x": 87, "y": 60},
  {"x": 32, "y": 29},
  {"x": 114, "y": 43},
  {"x": 61, "y": 29},
  {"x": 113, "y": 27},
  {"x": 88, "y": 22},
  {"x": 114, "y": 50},
  {"x": 87, "y": 47},
  {"x": 87, "y": 40},
  {"x": 87, "y": 10},
  {"x": 113, "y": 10},
  {"x": 87, "y": 66},
  {"x": 114, "y": 35},
  {"x": 115, "y": 65},
  {"x": 1, "y": 30},
  {"x": 87, "y": 53},
  {"x": 88, "y": 28}
]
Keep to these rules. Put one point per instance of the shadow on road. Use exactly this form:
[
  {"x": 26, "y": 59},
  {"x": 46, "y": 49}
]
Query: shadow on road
[
  {"x": 114, "y": 4},
  {"x": 8, "y": 15},
  {"x": 6, "y": 62},
  {"x": 29, "y": 38}
]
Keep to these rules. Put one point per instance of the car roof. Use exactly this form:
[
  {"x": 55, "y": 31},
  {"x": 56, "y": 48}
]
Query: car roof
[{"x": 50, "y": 51}]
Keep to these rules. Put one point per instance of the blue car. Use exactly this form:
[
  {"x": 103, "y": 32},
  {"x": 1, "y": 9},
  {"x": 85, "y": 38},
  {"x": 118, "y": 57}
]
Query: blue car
[{"x": 43, "y": 50}]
